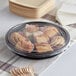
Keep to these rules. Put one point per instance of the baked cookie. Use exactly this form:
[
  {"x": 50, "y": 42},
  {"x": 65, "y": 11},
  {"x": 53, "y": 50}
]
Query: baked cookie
[
  {"x": 40, "y": 37},
  {"x": 16, "y": 37},
  {"x": 51, "y": 31},
  {"x": 43, "y": 47},
  {"x": 27, "y": 71},
  {"x": 31, "y": 28},
  {"x": 57, "y": 41},
  {"x": 25, "y": 46},
  {"x": 21, "y": 42}
]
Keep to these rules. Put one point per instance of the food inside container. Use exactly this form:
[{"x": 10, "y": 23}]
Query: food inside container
[{"x": 34, "y": 37}]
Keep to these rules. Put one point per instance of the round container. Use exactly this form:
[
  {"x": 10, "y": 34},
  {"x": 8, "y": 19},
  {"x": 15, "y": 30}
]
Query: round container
[{"x": 36, "y": 55}]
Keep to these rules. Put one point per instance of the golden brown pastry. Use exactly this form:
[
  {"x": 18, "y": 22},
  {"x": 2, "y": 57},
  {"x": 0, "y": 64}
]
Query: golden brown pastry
[
  {"x": 57, "y": 41},
  {"x": 15, "y": 37},
  {"x": 21, "y": 42},
  {"x": 43, "y": 47},
  {"x": 27, "y": 71},
  {"x": 51, "y": 31},
  {"x": 25, "y": 46},
  {"x": 31, "y": 28},
  {"x": 40, "y": 37}
]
